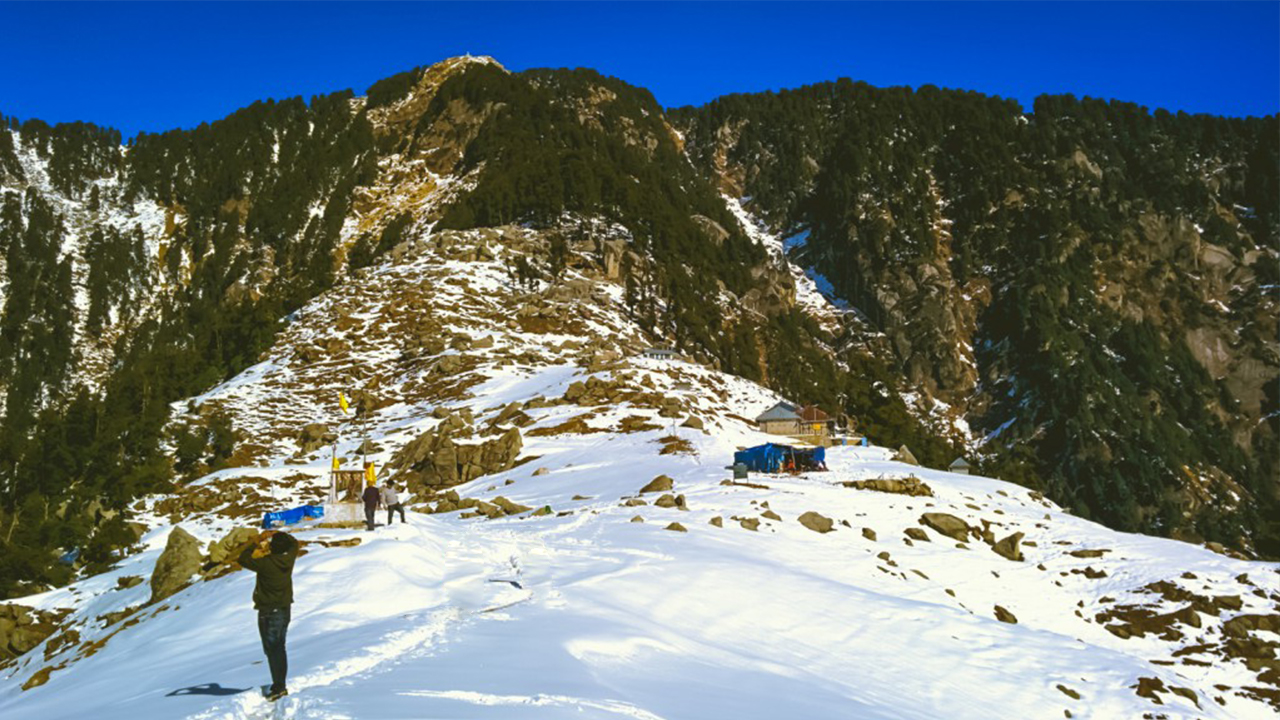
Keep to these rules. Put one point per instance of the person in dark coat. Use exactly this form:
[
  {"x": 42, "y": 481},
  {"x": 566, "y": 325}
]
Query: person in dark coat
[
  {"x": 372, "y": 498},
  {"x": 272, "y": 560}
]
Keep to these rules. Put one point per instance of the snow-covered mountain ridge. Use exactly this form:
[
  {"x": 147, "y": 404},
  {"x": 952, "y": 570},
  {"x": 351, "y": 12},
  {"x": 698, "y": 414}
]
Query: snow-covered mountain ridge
[{"x": 747, "y": 612}]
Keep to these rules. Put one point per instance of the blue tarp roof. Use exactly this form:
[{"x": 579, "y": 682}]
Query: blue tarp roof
[
  {"x": 289, "y": 517},
  {"x": 772, "y": 457}
]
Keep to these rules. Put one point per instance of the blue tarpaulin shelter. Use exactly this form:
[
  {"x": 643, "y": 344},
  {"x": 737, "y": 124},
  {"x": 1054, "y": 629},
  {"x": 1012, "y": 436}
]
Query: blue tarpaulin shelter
[
  {"x": 289, "y": 517},
  {"x": 772, "y": 458}
]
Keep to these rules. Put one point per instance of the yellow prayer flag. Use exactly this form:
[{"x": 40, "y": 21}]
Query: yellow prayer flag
[
  {"x": 335, "y": 462},
  {"x": 370, "y": 475},
  {"x": 342, "y": 401}
]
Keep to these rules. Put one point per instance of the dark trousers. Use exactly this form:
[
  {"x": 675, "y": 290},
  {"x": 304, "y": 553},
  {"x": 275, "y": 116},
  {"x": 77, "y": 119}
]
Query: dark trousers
[
  {"x": 369, "y": 510},
  {"x": 393, "y": 508},
  {"x": 273, "y": 625}
]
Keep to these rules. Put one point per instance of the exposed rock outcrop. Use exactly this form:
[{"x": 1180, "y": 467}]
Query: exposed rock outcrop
[
  {"x": 22, "y": 628},
  {"x": 438, "y": 458}
]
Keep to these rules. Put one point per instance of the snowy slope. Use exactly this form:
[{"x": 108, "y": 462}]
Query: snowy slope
[
  {"x": 614, "y": 618},
  {"x": 626, "y": 619}
]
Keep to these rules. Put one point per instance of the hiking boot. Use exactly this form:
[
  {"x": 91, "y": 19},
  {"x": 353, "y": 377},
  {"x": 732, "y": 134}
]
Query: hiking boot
[{"x": 273, "y": 695}]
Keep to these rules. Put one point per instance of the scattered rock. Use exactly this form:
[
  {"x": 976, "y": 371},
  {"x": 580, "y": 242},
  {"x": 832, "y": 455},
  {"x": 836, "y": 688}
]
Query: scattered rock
[
  {"x": 509, "y": 507},
  {"x": 633, "y": 502},
  {"x": 816, "y": 522},
  {"x": 637, "y": 519},
  {"x": 542, "y": 511},
  {"x": 1005, "y": 616},
  {"x": 676, "y": 527},
  {"x": 1147, "y": 687},
  {"x": 1186, "y": 693},
  {"x": 752, "y": 524},
  {"x": 1088, "y": 553},
  {"x": 756, "y": 486},
  {"x": 771, "y": 515},
  {"x": 540, "y": 471},
  {"x": 671, "y": 501},
  {"x": 127, "y": 581},
  {"x": 911, "y": 486},
  {"x": 662, "y": 483},
  {"x": 693, "y": 422},
  {"x": 916, "y": 533},
  {"x": 869, "y": 534},
  {"x": 717, "y": 521},
  {"x": 1069, "y": 692},
  {"x": 180, "y": 560},
  {"x": 1008, "y": 547},
  {"x": 39, "y": 678},
  {"x": 949, "y": 525}
]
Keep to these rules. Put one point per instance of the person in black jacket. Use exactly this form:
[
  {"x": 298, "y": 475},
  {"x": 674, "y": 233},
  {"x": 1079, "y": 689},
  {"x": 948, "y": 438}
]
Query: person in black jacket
[
  {"x": 372, "y": 498},
  {"x": 272, "y": 559}
]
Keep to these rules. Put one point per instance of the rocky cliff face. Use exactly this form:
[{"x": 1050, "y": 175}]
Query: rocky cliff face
[{"x": 1002, "y": 253}]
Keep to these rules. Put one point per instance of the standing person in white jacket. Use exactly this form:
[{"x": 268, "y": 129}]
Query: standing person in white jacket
[{"x": 391, "y": 502}]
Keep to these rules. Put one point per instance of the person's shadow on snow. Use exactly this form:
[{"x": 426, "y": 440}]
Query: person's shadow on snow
[{"x": 207, "y": 689}]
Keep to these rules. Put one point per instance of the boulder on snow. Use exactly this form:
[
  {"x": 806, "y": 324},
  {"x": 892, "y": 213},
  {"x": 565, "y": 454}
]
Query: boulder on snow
[
  {"x": 752, "y": 524},
  {"x": 949, "y": 525},
  {"x": 1089, "y": 553},
  {"x": 771, "y": 515},
  {"x": 676, "y": 527},
  {"x": 815, "y": 522},
  {"x": 869, "y": 534},
  {"x": 662, "y": 483},
  {"x": 637, "y": 519},
  {"x": 231, "y": 545},
  {"x": 179, "y": 561},
  {"x": 916, "y": 533},
  {"x": 1005, "y": 616},
  {"x": 1008, "y": 547},
  {"x": 717, "y": 521},
  {"x": 671, "y": 501},
  {"x": 509, "y": 507},
  {"x": 693, "y": 422},
  {"x": 904, "y": 455}
]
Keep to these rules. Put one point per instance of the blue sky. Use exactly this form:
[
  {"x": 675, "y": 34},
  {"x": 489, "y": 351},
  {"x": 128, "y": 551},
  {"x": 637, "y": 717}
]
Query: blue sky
[{"x": 152, "y": 66}]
